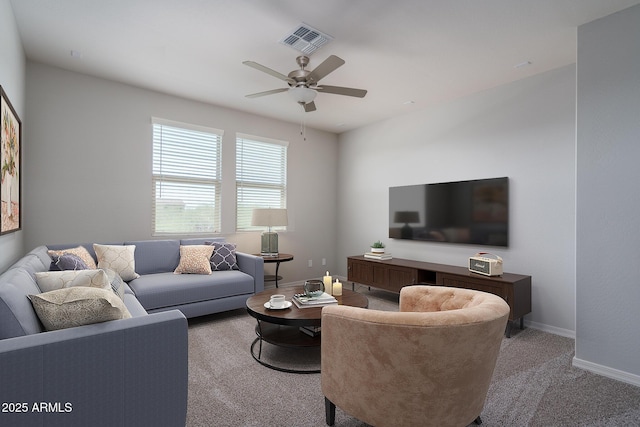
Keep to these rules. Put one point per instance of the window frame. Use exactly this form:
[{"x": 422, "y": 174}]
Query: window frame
[
  {"x": 200, "y": 182},
  {"x": 243, "y": 215}
]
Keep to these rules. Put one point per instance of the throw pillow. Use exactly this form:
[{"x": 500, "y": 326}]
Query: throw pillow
[
  {"x": 77, "y": 306},
  {"x": 194, "y": 259},
  {"x": 224, "y": 256},
  {"x": 68, "y": 262},
  {"x": 117, "y": 284},
  {"x": 52, "y": 280},
  {"x": 80, "y": 251},
  {"x": 118, "y": 258}
]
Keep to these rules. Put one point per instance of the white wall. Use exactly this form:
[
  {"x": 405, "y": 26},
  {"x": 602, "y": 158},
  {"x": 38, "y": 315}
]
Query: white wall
[
  {"x": 12, "y": 69},
  {"x": 608, "y": 199},
  {"x": 524, "y": 130},
  {"x": 90, "y": 177}
]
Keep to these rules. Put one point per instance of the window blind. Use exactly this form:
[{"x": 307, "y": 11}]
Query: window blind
[
  {"x": 261, "y": 177},
  {"x": 186, "y": 178}
]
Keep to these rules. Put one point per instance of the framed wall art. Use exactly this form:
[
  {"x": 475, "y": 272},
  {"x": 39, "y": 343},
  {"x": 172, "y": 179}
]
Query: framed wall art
[{"x": 10, "y": 162}]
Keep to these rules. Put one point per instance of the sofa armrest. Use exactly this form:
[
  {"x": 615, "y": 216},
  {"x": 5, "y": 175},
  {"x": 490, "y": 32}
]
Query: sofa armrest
[
  {"x": 128, "y": 372},
  {"x": 254, "y": 267}
]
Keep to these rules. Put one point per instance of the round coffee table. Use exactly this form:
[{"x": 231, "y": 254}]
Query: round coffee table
[{"x": 282, "y": 327}]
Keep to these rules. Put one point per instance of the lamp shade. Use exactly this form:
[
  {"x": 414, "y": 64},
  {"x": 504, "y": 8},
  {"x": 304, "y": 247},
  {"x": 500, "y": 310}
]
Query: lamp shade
[{"x": 269, "y": 217}]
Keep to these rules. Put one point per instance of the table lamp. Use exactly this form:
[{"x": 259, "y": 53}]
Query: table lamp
[
  {"x": 269, "y": 218},
  {"x": 408, "y": 217}
]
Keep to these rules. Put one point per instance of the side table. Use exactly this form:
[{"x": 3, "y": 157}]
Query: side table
[{"x": 277, "y": 259}]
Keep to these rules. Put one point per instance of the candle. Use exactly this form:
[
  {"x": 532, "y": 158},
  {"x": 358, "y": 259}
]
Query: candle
[
  {"x": 337, "y": 288},
  {"x": 327, "y": 284}
]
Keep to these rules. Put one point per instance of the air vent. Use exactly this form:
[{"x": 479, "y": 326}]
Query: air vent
[{"x": 306, "y": 39}]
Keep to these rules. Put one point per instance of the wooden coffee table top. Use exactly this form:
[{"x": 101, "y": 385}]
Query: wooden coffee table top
[{"x": 295, "y": 316}]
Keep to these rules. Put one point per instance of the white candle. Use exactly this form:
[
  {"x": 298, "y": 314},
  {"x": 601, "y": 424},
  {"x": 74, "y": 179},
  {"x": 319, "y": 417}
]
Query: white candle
[
  {"x": 337, "y": 288},
  {"x": 327, "y": 284}
]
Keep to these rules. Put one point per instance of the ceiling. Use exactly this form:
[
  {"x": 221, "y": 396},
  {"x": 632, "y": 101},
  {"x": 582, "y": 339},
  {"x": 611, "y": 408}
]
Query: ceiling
[{"x": 408, "y": 54}]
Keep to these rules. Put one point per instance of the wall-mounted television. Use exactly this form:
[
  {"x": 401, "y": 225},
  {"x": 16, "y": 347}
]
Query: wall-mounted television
[{"x": 472, "y": 212}]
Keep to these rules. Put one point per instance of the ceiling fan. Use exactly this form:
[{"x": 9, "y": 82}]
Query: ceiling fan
[{"x": 303, "y": 84}]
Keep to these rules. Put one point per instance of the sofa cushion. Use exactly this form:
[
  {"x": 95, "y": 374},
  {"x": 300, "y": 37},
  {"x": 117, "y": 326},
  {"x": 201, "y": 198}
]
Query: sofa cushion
[
  {"x": 194, "y": 259},
  {"x": 156, "y": 256},
  {"x": 167, "y": 289},
  {"x": 30, "y": 263},
  {"x": 133, "y": 305},
  {"x": 77, "y": 306},
  {"x": 80, "y": 251},
  {"x": 52, "y": 280},
  {"x": 17, "y": 317},
  {"x": 43, "y": 256},
  {"x": 119, "y": 258},
  {"x": 224, "y": 256}
]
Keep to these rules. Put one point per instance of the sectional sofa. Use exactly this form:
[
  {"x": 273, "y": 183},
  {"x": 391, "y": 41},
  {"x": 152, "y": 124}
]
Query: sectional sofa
[{"x": 127, "y": 372}]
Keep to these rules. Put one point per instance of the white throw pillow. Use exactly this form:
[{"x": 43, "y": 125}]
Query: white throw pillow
[
  {"x": 77, "y": 306},
  {"x": 53, "y": 280},
  {"x": 119, "y": 258}
]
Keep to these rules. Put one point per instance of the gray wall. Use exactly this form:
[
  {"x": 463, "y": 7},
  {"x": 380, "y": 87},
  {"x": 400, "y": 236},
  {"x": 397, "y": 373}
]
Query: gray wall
[
  {"x": 90, "y": 148},
  {"x": 524, "y": 130},
  {"x": 608, "y": 199},
  {"x": 12, "y": 79}
]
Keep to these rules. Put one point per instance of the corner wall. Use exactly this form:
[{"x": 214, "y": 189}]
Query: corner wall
[
  {"x": 608, "y": 199},
  {"x": 12, "y": 79},
  {"x": 524, "y": 130},
  {"x": 90, "y": 147}
]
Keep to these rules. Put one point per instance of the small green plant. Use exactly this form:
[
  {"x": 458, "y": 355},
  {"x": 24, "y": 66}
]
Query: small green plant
[{"x": 378, "y": 244}]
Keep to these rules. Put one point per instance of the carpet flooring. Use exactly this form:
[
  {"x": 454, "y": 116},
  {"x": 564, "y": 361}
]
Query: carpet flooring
[{"x": 533, "y": 384}]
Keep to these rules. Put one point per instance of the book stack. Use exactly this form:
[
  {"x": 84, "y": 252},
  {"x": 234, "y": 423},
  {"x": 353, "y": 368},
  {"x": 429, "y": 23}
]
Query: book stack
[
  {"x": 303, "y": 301},
  {"x": 384, "y": 255},
  {"x": 312, "y": 331}
]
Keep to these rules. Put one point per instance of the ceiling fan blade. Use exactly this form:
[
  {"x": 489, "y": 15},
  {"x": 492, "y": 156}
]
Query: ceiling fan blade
[
  {"x": 269, "y": 71},
  {"x": 309, "y": 107},
  {"x": 328, "y": 66},
  {"x": 268, "y": 92},
  {"x": 338, "y": 90}
]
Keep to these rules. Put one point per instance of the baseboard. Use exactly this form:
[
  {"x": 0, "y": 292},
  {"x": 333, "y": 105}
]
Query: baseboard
[
  {"x": 567, "y": 333},
  {"x": 606, "y": 371}
]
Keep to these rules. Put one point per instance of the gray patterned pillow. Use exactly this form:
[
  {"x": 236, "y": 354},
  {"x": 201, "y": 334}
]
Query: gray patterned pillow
[
  {"x": 68, "y": 262},
  {"x": 80, "y": 251},
  {"x": 224, "y": 256},
  {"x": 77, "y": 306}
]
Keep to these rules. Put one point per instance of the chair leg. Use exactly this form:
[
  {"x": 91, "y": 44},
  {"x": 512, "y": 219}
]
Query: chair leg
[
  {"x": 330, "y": 410},
  {"x": 477, "y": 421}
]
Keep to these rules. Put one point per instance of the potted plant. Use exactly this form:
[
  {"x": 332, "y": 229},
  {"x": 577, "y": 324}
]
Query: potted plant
[{"x": 377, "y": 247}]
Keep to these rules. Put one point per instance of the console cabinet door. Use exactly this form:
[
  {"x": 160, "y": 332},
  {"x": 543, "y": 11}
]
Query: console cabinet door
[
  {"x": 485, "y": 285},
  {"x": 399, "y": 277},
  {"x": 359, "y": 272},
  {"x": 380, "y": 276}
]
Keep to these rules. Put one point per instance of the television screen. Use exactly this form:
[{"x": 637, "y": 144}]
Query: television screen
[{"x": 473, "y": 212}]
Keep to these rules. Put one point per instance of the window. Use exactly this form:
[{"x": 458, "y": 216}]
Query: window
[
  {"x": 261, "y": 176},
  {"x": 186, "y": 178}
]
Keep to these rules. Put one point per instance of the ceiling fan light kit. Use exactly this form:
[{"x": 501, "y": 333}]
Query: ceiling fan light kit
[
  {"x": 303, "y": 84},
  {"x": 302, "y": 94}
]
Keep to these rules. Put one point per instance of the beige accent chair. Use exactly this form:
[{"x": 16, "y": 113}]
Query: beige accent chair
[{"x": 428, "y": 365}]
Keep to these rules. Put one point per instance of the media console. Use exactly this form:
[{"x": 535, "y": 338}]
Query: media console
[{"x": 395, "y": 273}]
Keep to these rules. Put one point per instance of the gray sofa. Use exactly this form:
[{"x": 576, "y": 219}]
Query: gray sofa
[{"x": 129, "y": 372}]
